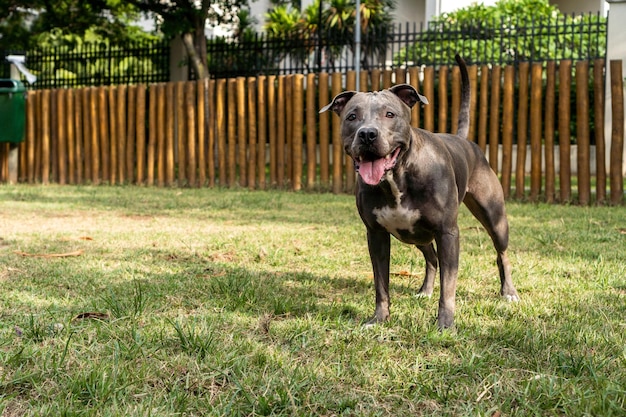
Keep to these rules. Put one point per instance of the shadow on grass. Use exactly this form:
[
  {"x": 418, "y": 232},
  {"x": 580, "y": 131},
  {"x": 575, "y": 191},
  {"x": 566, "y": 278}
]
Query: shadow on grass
[
  {"x": 193, "y": 285},
  {"x": 206, "y": 203}
]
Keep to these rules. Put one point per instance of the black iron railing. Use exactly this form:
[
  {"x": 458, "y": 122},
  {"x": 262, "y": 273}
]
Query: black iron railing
[
  {"x": 501, "y": 41},
  {"x": 97, "y": 64}
]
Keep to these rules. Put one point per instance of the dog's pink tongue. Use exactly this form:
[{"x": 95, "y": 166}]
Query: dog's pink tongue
[{"x": 372, "y": 171}]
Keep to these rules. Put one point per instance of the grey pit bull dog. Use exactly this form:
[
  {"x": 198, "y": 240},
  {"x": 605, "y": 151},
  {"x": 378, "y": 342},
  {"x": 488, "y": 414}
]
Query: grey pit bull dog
[{"x": 410, "y": 185}]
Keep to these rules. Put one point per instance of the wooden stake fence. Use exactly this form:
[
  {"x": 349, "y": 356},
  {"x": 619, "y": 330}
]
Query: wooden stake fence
[
  {"x": 266, "y": 131},
  {"x": 522, "y": 132},
  {"x": 617, "y": 133},
  {"x": 564, "y": 111},
  {"x": 549, "y": 173}
]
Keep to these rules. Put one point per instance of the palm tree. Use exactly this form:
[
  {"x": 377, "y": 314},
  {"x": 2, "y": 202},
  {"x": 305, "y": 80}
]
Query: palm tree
[
  {"x": 335, "y": 30},
  {"x": 375, "y": 17}
]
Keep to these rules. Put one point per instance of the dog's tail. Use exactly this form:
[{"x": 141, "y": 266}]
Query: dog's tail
[{"x": 464, "y": 114}]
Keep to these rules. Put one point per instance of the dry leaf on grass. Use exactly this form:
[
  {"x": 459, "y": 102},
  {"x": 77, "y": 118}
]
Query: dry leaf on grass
[
  {"x": 400, "y": 274},
  {"x": 91, "y": 315},
  {"x": 68, "y": 239},
  {"x": 49, "y": 255},
  {"x": 404, "y": 274}
]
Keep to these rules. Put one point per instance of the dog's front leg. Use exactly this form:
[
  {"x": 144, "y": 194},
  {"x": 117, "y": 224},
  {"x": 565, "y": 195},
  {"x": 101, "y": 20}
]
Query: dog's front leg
[
  {"x": 430, "y": 256},
  {"x": 379, "y": 244},
  {"x": 448, "y": 254}
]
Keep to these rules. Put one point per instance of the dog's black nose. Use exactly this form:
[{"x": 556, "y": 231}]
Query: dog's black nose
[{"x": 368, "y": 134}]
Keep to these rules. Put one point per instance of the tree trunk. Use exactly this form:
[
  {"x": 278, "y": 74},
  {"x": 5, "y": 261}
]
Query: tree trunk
[
  {"x": 200, "y": 43},
  {"x": 198, "y": 62}
]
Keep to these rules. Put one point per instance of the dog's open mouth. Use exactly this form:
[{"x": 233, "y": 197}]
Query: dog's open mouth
[{"x": 371, "y": 168}]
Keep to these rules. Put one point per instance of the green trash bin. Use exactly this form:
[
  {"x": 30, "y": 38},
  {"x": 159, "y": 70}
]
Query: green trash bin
[{"x": 12, "y": 110}]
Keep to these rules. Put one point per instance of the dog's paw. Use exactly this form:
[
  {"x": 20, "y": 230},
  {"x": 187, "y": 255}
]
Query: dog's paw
[
  {"x": 423, "y": 295},
  {"x": 512, "y": 298},
  {"x": 445, "y": 322},
  {"x": 369, "y": 325},
  {"x": 377, "y": 319}
]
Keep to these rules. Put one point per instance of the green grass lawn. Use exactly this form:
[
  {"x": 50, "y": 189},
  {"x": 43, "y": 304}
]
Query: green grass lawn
[{"x": 221, "y": 303}]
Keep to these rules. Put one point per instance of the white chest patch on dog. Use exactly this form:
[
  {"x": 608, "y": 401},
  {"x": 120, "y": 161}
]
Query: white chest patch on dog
[{"x": 397, "y": 218}]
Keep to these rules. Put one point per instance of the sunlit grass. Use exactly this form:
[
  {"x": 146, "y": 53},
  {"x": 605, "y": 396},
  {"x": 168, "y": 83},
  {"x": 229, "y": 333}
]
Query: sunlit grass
[{"x": 222, "y": 302}]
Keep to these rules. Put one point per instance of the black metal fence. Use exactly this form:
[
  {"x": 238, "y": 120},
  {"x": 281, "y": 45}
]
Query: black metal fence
[
  {"x": 501, "y": 41},
  {"x": 510, "y": 40},
  {"x": 97, "y": 64}
]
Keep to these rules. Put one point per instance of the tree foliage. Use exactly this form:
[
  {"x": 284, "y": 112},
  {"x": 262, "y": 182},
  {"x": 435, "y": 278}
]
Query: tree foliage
[
  {"x": 28, "y": 24},
  {"x": 509, "y": 31},
  {"x": 189, "y": 19},
  {"x": 75, "y": 28},
  {"x": 334, "y": 23},
  {"x": 31, "y": 23}
]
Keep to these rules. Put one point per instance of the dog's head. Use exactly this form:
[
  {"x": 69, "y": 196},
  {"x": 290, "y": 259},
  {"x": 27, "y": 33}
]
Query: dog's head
[{"x": 375, "y": 127}]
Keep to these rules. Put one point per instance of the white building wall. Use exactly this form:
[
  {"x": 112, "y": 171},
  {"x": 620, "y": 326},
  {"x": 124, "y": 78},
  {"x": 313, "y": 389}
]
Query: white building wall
[
  {"x": 580, "y": 6},
  {"x": 616, "y": 50},
  {"x": 258, "y": 9},
  {"x": 422, "y": 11},
  {"x": 410, "y": 11}
]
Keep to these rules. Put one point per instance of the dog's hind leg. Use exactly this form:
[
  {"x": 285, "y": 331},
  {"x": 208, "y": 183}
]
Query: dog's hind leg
[
  {"x": 430, "y": 256},
  {"x": 507, "y": 289},
  {"x": 487, "y": 205}
]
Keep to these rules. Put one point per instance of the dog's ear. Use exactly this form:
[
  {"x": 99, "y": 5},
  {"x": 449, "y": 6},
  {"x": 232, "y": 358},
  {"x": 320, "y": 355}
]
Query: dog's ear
[
  {"x": 408, "y": 94},
  {"x": 339, "y": 102}
]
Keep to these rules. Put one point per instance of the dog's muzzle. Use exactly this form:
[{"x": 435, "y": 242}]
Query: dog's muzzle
[{"x": 369, "y": 163}]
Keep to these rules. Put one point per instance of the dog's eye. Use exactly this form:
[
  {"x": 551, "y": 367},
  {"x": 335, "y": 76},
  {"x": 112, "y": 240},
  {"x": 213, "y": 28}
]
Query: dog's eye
[
  {"x": 390, "y": 115},
  {"x": 351, "y": 117}
]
